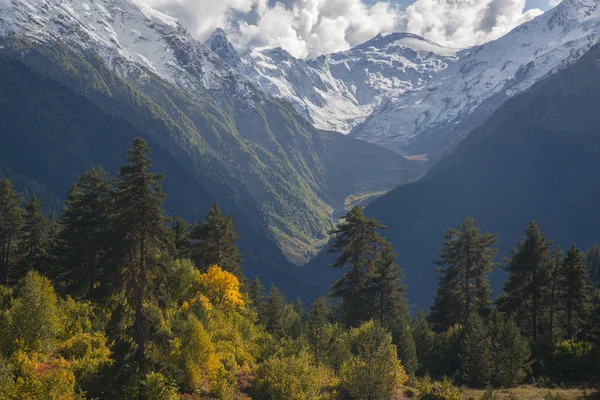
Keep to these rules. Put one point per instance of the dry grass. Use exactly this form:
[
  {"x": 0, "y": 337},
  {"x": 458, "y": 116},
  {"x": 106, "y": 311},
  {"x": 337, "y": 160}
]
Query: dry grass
[{"x": 531, "y": 393}]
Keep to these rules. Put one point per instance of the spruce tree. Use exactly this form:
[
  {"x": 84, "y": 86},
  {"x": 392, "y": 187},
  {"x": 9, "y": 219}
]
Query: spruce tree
[
  {"x": 180, "y": 232},
  {"x": 574, "y": 291},
  {"x": 528, "y": 280},
  {"x": 402, "y": 335},
  {"x": 467, "y": 258},
  {"x": 33, "y": 249},
  {"x": 511, "y": 353},
  {"x": 357, "y": 240},
  {"x": 475, "y": 355},
  {"x": 214, "y": 243},
  {"x": 592, "y": 261},
  {"x": 424, "y": 338},
  {"x": 139, "y": 225},
  {"x": 554, "y": 287},
  {"x": 11, "y": 222},
  {"x": 82, "y": 244},
  {"x": 387, "y": 288},
  {"x": 275, "y": 310},
  {"x": 319, "y": 316},
  {"x": 256, "y": 294}
]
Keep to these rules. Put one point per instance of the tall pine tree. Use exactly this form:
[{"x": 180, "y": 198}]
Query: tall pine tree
[
  {"x": 357, "y": 240},
  {"x": 33, "y": 249},
  {"x": 387, "y": 288},
  {"x": 511, "y": 353},
  {"x": 214, "y": 243},
  {"x": 527, "y": 285},
  {"x": 592, "y": 261},
  {"x": 140, "y": 231},
  {"x": 475, "y": 352},
  {"x": 11, "y": 222},
  {"x": 82, "y": 240},
  {"x": 467, "y": 258},
  {"x": 574, "y": 291}
]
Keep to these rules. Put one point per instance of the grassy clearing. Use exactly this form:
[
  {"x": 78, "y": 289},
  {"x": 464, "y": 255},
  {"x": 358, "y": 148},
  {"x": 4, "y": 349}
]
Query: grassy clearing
[{"x": 533, "y": 393}]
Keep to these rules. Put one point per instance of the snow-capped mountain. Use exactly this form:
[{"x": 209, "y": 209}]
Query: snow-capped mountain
[
  {"x": 131, "y": 38},
  {"x": 429, "y": 119},
  {"x": 338, "y": 91}
]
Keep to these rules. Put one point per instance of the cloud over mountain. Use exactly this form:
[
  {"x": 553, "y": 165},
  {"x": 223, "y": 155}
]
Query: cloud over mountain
[{"x": 309, "y": 28}]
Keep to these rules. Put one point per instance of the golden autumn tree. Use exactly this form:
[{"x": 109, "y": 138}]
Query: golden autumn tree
[{"x": 222, "y": 288}]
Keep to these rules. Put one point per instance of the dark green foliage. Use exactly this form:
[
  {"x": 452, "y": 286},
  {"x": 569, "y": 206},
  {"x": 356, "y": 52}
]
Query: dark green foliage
[
  {"x": 357, "y": 240},
  {"x": 592, "y": 261},
  {"x": 402, "y": 335},
  {"x": 511, "y": 354},
  {"x": 476, "y": 362},
  {"x": 83, "y": 237},
  {"x": 553, "y": 290},
  {"x": 11, "y": 221},
  {"x": 139, "y": 232},
  {"x": 180, "y": 232},
  {"x": 387, "y": 288},
  {"x": 424, "y": 338},
  {"x": 33, "y": 251},
  {"x": 573, "y": 291},
  {"x": 214, "y": 243},
  {"x": 274, "y": 310},
  {"x": 528, "y": 281},
  {"x": 256, "y": 294},
  {"x": 468, "y": 256},
  {"x": 319, "y": 316}
]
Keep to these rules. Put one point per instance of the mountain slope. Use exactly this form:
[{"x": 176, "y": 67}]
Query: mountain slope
[
  {"x": 463, "y": 95},
  {"x": 535, "y": 158},
  {"x": 145, "y": 68},
  {"x": 338, "y": 91}
]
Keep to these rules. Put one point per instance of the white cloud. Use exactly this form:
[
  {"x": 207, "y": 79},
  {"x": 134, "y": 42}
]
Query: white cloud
[
  {"x": 308, "y": 28},
  {"x": 554, "y": 3},
  {"x": 462, "y": 23}
]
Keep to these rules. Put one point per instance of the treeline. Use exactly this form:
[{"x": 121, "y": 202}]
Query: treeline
[{"x": 115, "y": 300}]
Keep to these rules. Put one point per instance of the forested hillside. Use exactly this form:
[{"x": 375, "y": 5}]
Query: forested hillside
[
  {"x": 114, "y": 299},
  {"x": 535, "y": 158},
  {"x": 259, "y": 148}
]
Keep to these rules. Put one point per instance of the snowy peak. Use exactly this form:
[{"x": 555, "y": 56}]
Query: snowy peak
[
  {"x": 428, "y": 120},
  {"x": 338, "y": 91},
  {"x": 220, "y": 44},
  {"x": 132, "y": 39},
  {"x": 406, "y": 40}
]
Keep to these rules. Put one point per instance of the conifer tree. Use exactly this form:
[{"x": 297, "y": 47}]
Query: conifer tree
[
  {"x": 574, "y": 290},
  {"x": 180, "y": 232},
  {"x": 256, "y": 294},
  {"x": 32, "y": 246},
  {"x": 387, "y": 288},
  {"x": 475, "y": 352},
  {"x": 527, "y": 284},
  {"x": 215, "y": 243},
  {"x": 468, "y": 256},
  {"x": 139, "y": 224},
  {"x": 357, "y": 240},
  {"x": 275, "y": 310},
  {"x": 11, "y": 222},
  {"x": 424, "y": 338},
  {"x": 592, "y": 261},
  {"x": 554, "y": 283},
  {"x": 318, "y": 318},
  {"x": 402, "y": 335},
  {"x": 84, "y": 235},
  {"x": 511, "y": 353}
]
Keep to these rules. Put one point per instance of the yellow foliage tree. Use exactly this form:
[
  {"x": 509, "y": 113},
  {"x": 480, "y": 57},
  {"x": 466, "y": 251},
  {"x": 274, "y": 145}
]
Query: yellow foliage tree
[
  {"x": 197, "y": 359},
  {"x": 222, "y": 288}
]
